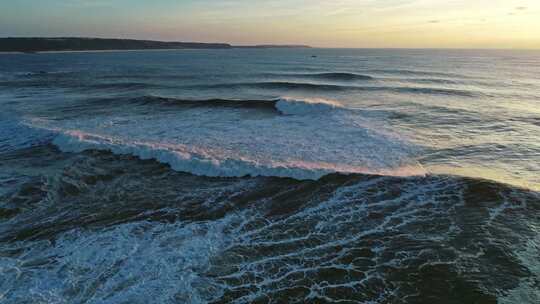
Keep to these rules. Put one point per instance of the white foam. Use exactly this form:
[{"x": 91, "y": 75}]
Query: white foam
[
  {"x": 222, "y": 142},
  {"x": 305, "y": 106},
  {"x": 134, "y": 262},
  {"x": 527, "y": 291}
]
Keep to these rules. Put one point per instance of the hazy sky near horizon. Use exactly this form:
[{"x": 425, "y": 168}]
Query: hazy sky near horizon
[{"x": 336, "y": 23}]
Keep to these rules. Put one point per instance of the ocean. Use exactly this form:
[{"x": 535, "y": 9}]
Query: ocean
[{"x": 270, "y": 176}]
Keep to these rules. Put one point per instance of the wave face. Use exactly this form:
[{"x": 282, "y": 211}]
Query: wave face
[
  {"x": 205, "y": 103},
  {"x": 343, "y": 76},
  {"x": 270, "y": 176}
]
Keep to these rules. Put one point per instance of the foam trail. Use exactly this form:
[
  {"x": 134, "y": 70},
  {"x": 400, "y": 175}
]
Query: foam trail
[{"x": 159, "y": 262}]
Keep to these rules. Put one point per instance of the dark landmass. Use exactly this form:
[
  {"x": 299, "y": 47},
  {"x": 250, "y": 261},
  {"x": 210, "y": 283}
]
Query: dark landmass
[
  {"x": 32, "y": 45},
  {"x": 96, "y": 44}
]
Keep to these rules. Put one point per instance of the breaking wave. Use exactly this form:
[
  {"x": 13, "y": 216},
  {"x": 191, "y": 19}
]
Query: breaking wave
[
  {"x": 285, "y": 105},
  {"x": 202, "y": 162},
  {"x": 306, "y": 106},
  {"x": 299, "y": 144}
]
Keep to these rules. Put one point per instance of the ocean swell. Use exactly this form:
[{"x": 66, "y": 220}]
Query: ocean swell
[
  {"x": 283, "y": 105},
  {"x": 325, "y": 87},
  {"x": 340, "y": 76},
  {"x": 208, "y": 103}
]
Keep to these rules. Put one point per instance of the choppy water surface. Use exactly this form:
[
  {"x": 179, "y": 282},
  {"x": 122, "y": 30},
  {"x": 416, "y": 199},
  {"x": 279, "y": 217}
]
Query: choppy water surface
[{"x": 270, "y": 176}]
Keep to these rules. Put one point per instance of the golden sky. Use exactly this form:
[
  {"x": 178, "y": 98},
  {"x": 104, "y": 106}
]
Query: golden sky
[{"x": 337, "y": 23}]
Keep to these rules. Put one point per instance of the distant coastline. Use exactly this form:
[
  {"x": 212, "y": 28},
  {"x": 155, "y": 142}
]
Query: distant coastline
[{"x": 70, "y": 44}]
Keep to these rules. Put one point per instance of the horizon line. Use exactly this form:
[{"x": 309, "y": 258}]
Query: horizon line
[{"x": 272, "y": 44}]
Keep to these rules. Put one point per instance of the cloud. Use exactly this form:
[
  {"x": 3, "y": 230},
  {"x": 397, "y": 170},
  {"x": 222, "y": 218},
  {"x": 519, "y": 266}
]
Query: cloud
[{"x": 517, "y": 8}]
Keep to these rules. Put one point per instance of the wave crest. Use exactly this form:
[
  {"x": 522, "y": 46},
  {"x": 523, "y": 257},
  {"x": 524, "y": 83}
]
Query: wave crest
[
  {"x": 204, "y": 162},
  {"x": 293, "y": 106}
]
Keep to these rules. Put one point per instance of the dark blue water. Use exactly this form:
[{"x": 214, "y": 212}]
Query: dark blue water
[{"x": 271, "y": 176}]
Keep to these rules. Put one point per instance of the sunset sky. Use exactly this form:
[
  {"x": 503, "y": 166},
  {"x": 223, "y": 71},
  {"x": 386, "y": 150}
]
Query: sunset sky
[{"x": 336, "y": 23}]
